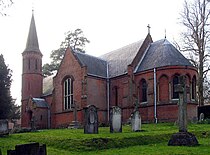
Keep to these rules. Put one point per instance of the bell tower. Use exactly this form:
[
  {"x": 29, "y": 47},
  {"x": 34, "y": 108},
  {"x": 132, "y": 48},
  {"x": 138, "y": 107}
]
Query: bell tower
[{"x": 31, "y": 72}]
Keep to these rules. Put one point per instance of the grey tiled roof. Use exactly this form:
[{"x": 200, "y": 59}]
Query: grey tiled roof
[
  {"x": 119, "y": 59},
  {"x": 95, "y": 66},
  {"x": 32, "y": 41},
  {"x": 40, "y": 103},
  {"x": 162, "y": 53},
  {"x": 48, "y": 85}
]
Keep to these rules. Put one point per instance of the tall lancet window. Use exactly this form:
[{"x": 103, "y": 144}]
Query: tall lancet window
[
  {"x": 175, "y": 82},
  {"x": 68, "y": 93},
  {"x": 194, "y": 88},
  {"x": 143, "y": 91}
]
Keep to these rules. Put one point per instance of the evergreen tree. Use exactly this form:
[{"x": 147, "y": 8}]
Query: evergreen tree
[{"x": 5, "y": 83}]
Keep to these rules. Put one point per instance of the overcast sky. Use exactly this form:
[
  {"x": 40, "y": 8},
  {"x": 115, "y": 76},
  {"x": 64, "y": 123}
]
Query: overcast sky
[{"x": 108, "y": 24}]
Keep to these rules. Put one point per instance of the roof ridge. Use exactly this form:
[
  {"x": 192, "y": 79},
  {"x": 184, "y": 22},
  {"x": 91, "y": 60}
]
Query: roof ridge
[
  {"x": 89, "y": 55},
  {"x": 142, "y": 58},
  {"x": 122, "y": 47}
]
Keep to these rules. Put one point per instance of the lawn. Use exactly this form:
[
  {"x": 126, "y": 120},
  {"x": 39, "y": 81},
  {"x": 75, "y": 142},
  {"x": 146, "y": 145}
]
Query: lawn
[{"x": 151, "y": 141}]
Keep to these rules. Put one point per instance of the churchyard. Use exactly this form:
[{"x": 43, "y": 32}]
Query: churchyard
[{"x": 151, "y": 140}]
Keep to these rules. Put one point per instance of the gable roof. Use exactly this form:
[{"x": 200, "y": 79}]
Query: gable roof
[
  {"x": 119, "y": 59},
  {"x": 162, "y": 53},
  {"x": 95, "y": 66},
  {"x": 40, "y": 103}
]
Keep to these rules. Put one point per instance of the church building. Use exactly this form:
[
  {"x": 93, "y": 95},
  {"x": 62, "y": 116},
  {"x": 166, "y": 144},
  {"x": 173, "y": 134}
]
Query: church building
[{"x": 145, "y": 72}]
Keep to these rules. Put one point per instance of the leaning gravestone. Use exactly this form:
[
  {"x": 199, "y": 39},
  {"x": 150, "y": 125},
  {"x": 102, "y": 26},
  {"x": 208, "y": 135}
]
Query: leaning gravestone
[
  {"x": 4, "y": 127},
  {"x": 115, "y": 120},
  {"x": 91, "y": 120},
  {"x": 136, "y": 121},
  {"x": 183, "y": 137},
  {"x": 28, "y": 149}
]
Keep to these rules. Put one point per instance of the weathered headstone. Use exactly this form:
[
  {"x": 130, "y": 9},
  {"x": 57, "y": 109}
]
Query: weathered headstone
[
  {"x": 28, "y": 149},
  {"x": 136, "y": 121},
  {"x": 115, "y": 119},
  {"x": 4, "y": 127},
  {"x": 201, "y": 117},
  {"x": 183, "y": 137},
  {"x": 136, "y": 118},
  {"x": 91, "y": 120}
]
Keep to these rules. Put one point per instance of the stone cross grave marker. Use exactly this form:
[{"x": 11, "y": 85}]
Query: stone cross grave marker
[
  {"x": 182, "y": 104},
  {"x": 115, "y": 119},
  {"x": 91, "y": 120},
  {"x": 75, "y": 123},
  {"x": 183, "y": 137}
]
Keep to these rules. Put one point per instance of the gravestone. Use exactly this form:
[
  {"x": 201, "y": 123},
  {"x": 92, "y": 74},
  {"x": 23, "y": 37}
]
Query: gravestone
[
  {"x": 91, "y": 120},
  {"x": 183, "y": 137},
  {"x": 4, "y": 127},
  {"x": 201, "y": 117},
  {"x": 115, "y": 119},
  {"x": 28, "y": 149},
  {"x": 136, "y": 121},
  {"x": 136, "y": 118}
]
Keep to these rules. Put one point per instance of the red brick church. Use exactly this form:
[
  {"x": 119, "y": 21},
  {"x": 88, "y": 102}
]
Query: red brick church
[{"x": 144, "y": 71}]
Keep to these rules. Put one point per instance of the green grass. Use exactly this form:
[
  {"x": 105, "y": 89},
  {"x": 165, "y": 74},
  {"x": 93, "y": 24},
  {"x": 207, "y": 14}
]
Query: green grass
[{"x": 152, "y": 141}]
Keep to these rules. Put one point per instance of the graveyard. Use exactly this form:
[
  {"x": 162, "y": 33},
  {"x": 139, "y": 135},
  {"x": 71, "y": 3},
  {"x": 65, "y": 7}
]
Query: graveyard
[{"x": 152, "y": 139}]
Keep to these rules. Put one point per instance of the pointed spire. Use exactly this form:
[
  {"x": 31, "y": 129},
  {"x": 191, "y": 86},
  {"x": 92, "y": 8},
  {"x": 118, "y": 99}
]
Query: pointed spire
[{"x": 32, "y": 41}]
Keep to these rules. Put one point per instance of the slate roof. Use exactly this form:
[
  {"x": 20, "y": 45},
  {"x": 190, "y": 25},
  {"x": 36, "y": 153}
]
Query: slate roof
[
  {"x": 119, "y": 59},
  {"x": 159, "y": 54},
  {"x": 32, "y": 41},
  {"x": 162, "y": 53},
  {"x": 95, "y": 65},
  {"x": 40, "y": 103},
  {"x": 48, "y": 85}
]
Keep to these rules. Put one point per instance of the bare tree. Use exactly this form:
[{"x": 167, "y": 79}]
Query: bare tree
[
  {"x": 196, "y": 39},
  {"x": 3, "y": 5}
]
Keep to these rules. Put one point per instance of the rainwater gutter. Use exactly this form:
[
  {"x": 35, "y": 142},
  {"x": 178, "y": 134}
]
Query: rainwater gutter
[
  {"x": 155, "y": 97},
  {"x": 107, "y": 72}
]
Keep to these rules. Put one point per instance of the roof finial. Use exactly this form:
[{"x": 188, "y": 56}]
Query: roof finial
[
  {"x": 32, "y": 7},
  {"x": 148, "y": 26},
  {"x": 165, "y": 33}
]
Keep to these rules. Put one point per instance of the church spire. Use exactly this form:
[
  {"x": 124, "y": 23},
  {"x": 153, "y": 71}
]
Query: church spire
[{"x": 32, "y": 41}]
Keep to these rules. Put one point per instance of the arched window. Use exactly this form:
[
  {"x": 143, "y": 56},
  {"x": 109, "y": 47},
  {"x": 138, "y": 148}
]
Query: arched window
[
  {"x": 193, "y": 88},
  {"x": 68, "y": 93},
  {"x": 175, "y": 82},
  {"x": 143, "y": 91},
  {"x": 29, "y": 64},
  {"x": 36, "y": 64}
]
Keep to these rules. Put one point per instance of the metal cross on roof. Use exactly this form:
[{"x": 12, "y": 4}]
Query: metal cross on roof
[{"x": 148, "y": 26}]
